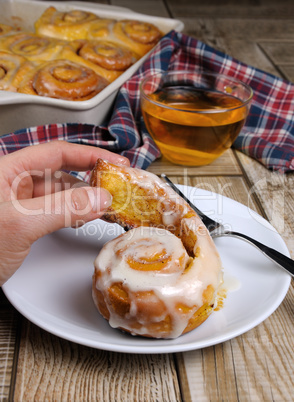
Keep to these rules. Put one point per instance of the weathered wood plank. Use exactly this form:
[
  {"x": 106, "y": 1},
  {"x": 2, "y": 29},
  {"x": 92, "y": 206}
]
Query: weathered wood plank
[
  {"x": 275, "y": 194},
  {"x": 53, "y": 369},
  {"x": 224, "y": 165},
  {"x": 228, "y": 37},
  {"x": 149, "y": 7},
  {"x": 246, "y": 9},
  {"x": 255, "y": 366},
  {"x": 280, "y": 51},
  {"x": 8, "y": 330},
  {"x": 288, "y": 72}
]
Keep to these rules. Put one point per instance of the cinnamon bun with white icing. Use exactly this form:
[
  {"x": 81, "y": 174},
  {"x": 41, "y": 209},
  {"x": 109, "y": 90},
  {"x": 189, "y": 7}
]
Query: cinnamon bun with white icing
[
  {"x": 138, "y": 36},
  {"x": 106, "y": 46},
  {"x": 160, "y": 278},
  {"x": 68, "y": 25},
  {"x": 63, "y": 79},
  {"x": 33, "y": 47},
  {"x": 106, "y": 58}
]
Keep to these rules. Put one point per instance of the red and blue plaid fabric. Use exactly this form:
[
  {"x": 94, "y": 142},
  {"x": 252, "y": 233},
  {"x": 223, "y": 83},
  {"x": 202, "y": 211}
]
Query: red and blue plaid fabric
[{"x": 268, "y": 134}]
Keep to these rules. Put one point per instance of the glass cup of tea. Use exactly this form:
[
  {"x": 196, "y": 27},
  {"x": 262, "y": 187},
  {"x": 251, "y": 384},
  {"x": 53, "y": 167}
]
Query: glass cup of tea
[{"x": 194, "y": 117}]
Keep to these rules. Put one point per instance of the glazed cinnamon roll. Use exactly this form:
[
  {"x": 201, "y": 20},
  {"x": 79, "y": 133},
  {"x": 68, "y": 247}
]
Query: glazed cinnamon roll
[
  {"x": 160, "y": 278},
  {"x": 70, "y": 25},
  {"x": 108, "y": 55},
  {"x": 63, "y": 79},
  {"x": 139, "y": 36},
  {"x": 33, "y": 47},
  {"x": 106, "y": 58},
  {"x": 13, "y": 68},
  {"x": 101, "y": 29}
]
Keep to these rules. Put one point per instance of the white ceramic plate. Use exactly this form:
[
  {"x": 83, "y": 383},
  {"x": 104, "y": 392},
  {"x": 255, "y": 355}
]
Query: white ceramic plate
[{"x": 53, "y": 286}]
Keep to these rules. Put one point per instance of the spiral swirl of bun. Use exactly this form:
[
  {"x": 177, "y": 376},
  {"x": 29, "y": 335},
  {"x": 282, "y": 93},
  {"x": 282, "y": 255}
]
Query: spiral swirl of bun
[
  {"x": 160, "y": 278},
  {"x": 13, "y": 68},
  {"x": 108, "y": 55},
  {"x": 33, "y": 47},
  {"x": 137, "y": 35},
  {"x": 69, "y": 25},
  {"x": 106, "y": 46},
  {"x": 101, "y": 29},
  {"x": 63, "y": 79},
  {"x": 107, "y": 59}
]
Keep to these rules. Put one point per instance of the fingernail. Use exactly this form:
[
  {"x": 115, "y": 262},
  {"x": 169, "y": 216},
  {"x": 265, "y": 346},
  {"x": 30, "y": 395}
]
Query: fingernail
[
  {"x": 99, "y": 198},
  {"x": 123, "y": 161}
]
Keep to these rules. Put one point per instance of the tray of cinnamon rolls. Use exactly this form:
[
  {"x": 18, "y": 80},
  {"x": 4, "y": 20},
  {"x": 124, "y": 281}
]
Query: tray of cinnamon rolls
[{"x": 64, "y": 62}]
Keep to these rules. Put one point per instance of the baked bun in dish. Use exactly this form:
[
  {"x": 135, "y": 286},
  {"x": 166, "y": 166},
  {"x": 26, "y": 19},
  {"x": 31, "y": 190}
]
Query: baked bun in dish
[
  {"x": 138, "y": 36},
  {"x": 62, "y": 79},
  {"x": 34, "y": 47},
  {"x": 161, "y": 277},
  {"x": 106, "y": 46},
  {"x": 13, "y": 69},
  {"x": 79, "y": 24},
  {"x": 106, "y": 58},
  {"x": 68, "y": 25}
]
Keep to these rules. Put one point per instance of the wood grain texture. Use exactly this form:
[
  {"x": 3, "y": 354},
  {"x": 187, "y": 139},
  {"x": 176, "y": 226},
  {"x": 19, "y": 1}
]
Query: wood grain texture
[
  {"x": 246, "y": 9},
  {"x": 226, "y": 164},
  {"x": 9, "y": 319},
  {"x": 52, "y": 369},
  {"x": 150, "y": 7},
  {"x": 252, "y": 367},
  {"x": 275, "y": 194}
]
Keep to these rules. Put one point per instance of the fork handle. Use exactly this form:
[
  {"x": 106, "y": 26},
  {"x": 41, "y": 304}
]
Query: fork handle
[{"x": 283, "y": 261}]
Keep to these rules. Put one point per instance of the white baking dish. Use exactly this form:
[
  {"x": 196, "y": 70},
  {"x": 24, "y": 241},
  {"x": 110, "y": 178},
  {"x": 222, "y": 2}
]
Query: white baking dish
[{"x": 20, "y": 111}]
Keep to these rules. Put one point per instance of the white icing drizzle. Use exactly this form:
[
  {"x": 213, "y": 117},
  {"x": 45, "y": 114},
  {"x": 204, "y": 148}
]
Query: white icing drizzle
[
  {"x": 170, "y": 204},
  {"x": 9, "y": 66},
  {"x": 172, "y": 285},
  {"x": 183, "y": 279}
]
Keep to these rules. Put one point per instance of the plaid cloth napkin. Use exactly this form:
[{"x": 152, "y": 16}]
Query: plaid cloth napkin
[{"x": 268, "y": 134}]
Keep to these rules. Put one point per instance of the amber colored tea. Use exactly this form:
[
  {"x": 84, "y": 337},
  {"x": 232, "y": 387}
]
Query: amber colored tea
[{"x": 194, "y": 132}]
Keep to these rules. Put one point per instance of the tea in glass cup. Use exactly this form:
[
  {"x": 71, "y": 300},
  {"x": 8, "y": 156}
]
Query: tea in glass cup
[{"x": 194, "y": 117}]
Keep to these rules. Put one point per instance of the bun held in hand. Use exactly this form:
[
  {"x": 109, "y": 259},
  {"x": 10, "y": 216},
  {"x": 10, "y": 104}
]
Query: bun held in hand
[{"x": 160, "y": 278}]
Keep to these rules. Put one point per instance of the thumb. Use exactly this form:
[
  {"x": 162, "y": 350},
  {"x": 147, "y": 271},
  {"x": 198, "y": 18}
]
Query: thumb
[{"x": 72, "y": 207}]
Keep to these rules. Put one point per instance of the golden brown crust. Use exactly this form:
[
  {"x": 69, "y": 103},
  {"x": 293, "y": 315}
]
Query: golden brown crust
[
  {"x": 135, "y": 204},
  {"x": 69, "y": 25},
  {"x": 13, "y": 68},
  {"x": 106, "y": 46},
  {"x": 62, "y": 79},
  {"x": 33, "y": 47},
  {"x": 150, "y": 309},
  {"x": 107, "y": 59},
  {"x": 140, "y": 200},
  {"x": 107, "y": 54},
  {"x": 139, "y": 36}
]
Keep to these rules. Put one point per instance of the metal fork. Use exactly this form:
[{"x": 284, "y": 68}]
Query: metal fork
[{"x": 217, "y": 230}]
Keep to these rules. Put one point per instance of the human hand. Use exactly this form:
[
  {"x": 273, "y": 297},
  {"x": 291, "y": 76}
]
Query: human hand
[{"x": 37, "y": 198}]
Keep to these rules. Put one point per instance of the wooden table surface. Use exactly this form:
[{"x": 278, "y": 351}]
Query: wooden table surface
[{"x": 256, "y": 366}]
